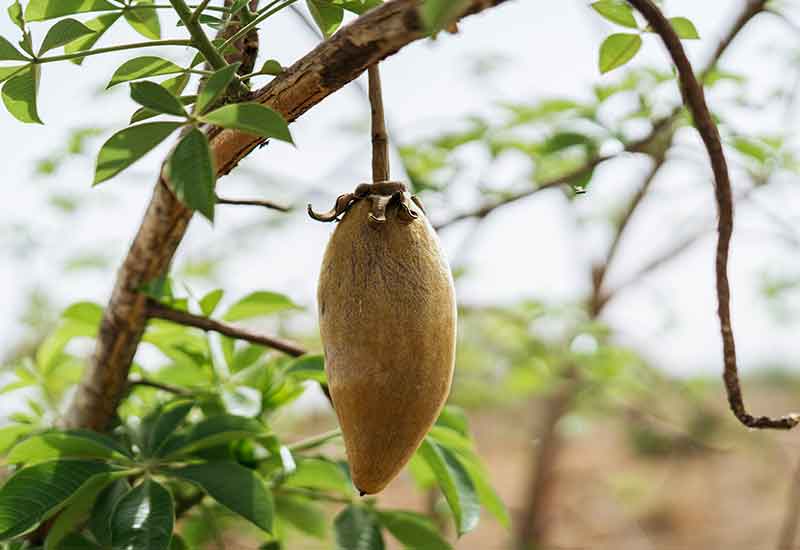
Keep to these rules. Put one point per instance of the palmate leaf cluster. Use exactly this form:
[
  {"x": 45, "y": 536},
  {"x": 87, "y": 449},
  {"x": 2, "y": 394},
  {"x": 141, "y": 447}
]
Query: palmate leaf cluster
[{"x": 207, "y": 440}]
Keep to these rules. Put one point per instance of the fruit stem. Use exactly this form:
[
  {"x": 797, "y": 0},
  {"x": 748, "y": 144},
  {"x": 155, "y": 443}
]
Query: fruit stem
[{"x": 380, "y": 140}]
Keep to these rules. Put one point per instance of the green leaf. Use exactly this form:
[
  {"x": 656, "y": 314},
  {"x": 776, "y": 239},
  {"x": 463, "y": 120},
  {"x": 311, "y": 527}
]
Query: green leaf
[
  {"x": 51, "y": 445},
  {"x": 617, "y": 50},
  {"x": 215, "y": 86},
  {"x": 616, "y": 11},
  {"x": 437, "y": 14},
  {"x": 303, "y": 514},
  {"x": 166, "y": 420},
  {"x": 415, "y": 531},
  {"x": 100, "y": 519},
  {"x": 237, "y": 488},
  {"x": 8, "y": 72},
  {"x": 246, "y": 357},
  {"x": 129, "y": 145},
  {"x": 33, "y": 494},
  {"x": 156, "y": 97},
  {"x": 210, "y": 301},
  {"x": 486, "y": 494},
  {"x": 19, "y": 95},
  {"x": 40, "y": 10},
  {"x": 144, "y": 113},
  {"x": 143, "y": 519},
  {"x": 212, "y": 431},
  {"x": 77, "y": 508},
  {"x": 455, "y": 483},
  {"x": 271, "y": 66},
  {"x": 51, "y": 350},
  {"x": 177, "y": 84},
  {"x": 320, "y": 474},
  {"x": 9, "y": 435},
  {"x": 15, "y": 14},
  {"x": 259, "y": 304},
  {"x": 308, "y": 367},
  {"x": 253, "y": 118},
  {"x": 9, "y": 53},
  {"x": 76, "y": 541},
  {"x": 684, "y": 28},
  {"x": 326, "y": 15},
  {"x": 99, "y": 26},
  {"x": 143, "y": 67},
  {"x": 358, "y": 6},
  {"x": 62, "y": 33},
  {"x": 144, "y": 20},
  {"x": 357, "y": 529},
  {"x": 84, "y": 312},
  {"x": 752, "y": 148},
  {"x": 191, "y": 175},
  {"x": 453, "y": 417}
]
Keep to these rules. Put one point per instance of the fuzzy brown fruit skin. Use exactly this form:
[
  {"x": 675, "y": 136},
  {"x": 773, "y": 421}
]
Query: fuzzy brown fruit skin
[{"x": 387, "y": 312}]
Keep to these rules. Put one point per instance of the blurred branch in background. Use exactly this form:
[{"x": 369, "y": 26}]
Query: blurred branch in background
[{"x": 788, "y": 531}]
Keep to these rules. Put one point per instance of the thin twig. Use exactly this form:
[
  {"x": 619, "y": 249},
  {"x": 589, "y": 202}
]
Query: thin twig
[
  {"x": 599, "y": 296},
  {"x": 314, "y": 441},
  {"x": 486, "y": 209},
  {"x": 199, "y": 37},
  {"x": 694, "y": 98},
  {"x": 198, "y": 11},
  {"x": 156, "y": 310},
  {"x": 313, "y": 495},
  {"x": 177, "y": 390},
  {"x": 254, "y": 202},
  {"x": 380, "y": 141}
]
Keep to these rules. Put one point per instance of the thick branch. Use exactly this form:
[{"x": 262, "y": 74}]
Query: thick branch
[
  {"x": 332, "y": 64},
  {"x": 157, "y": 310},
  {"x": 694, "y": 98}
]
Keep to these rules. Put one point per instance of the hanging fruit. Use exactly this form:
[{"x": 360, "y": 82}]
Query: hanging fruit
[{"x": 387, "y": 315}]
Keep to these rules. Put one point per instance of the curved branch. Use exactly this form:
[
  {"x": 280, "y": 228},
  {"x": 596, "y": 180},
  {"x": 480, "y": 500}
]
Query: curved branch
[
  {"x": 333, "y": 63},
  {"x": 695, "y": 100},
  {"x": 157, "y": 310}
]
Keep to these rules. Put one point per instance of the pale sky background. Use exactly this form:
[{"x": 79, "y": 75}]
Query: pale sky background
[{"x": 530, "y": 249}]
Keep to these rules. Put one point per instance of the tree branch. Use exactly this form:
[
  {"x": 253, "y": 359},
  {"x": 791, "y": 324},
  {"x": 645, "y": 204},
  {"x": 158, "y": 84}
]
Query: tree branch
[
  {"x": 486, "y": 209},
  {"x": 157, "y": 310},
  {"x": 788, "y": 532},
  {"x": 199, "y": 38},
  {"x": 177, "y": 390},
  {"x": 694, "y": 98},
  {"x": 254, "y": 202},
  {"x": 338, "y": 60}
]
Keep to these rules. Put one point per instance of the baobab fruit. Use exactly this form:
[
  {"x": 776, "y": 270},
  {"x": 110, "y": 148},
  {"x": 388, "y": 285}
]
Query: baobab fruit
[{"x": 387, "y": 314}]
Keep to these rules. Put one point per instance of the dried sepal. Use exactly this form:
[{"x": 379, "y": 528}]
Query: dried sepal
[{"x": 381, "y": 195}]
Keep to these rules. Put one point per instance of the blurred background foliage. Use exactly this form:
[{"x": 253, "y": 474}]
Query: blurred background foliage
[{"x": 588, "y": 441}]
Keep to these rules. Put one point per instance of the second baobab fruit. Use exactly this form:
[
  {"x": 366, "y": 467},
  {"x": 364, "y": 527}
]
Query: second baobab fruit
[{"x": 387, "y": 313}]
